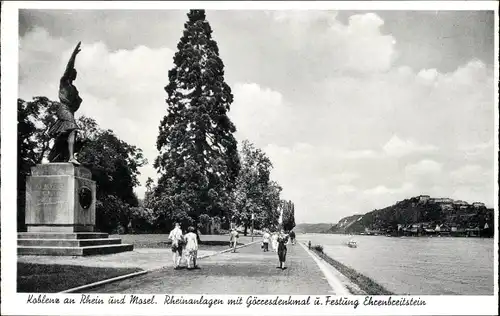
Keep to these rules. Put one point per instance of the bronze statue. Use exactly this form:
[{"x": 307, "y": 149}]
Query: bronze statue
[{"x": 65, "y": 128}]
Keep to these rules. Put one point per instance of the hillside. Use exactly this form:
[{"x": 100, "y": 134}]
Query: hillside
[
  {"x": 311, "y": 228},
  {"x": 344, "y": 224},
  {"x": 422, "y": 215}
]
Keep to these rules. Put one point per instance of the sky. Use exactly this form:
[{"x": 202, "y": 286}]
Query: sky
[{"x": 356, "y": 109}]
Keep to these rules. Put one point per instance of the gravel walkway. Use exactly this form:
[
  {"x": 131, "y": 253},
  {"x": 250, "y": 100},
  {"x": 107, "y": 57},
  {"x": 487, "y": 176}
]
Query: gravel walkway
[
  {"x": 143, "y": 258},
  {"x": 249, "y": 271}
]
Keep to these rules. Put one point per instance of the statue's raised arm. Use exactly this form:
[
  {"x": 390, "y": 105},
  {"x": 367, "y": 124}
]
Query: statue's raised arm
[
  {"x": 65, "y": 128},
  {"x": 70, "y": 67},
  {"x": 68, "y": 94}
]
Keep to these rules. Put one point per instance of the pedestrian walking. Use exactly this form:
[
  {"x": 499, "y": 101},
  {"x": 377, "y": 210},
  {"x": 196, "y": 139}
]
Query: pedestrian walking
[
  {"x": 282, "y": 241},
  {"x": 233, "y": 239},
  {"x": 265, "y": 240},
  {"x": 274, "y": 241},
  {"x": 191, "y": 239},
  {"x": 177, "y": 242},
  {"x": 292, "y": 237}
]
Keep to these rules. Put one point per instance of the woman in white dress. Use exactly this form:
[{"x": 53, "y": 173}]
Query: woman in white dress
[
  {"x": 274, "y": 242},
  {"x": 191, "y": 247}
]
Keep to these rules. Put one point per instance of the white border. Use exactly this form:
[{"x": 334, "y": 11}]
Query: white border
[
  {"x": 435, "y": 305},
  {"x": 496, "y": 120},
  {"x": 264, "y": 5},
  {"x": 13, "y": 303}
]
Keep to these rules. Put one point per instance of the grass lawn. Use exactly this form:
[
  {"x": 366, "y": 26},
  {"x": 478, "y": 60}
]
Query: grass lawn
[
  {"x": 43, "y": 278},
  {"x": 208, "y": 242}
]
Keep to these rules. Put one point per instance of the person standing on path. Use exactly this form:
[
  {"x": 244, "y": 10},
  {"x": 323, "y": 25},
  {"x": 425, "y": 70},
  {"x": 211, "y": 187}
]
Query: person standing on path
[
  {"x": 191, "y": 239},
  {"x": 292, "y": 237},
  {"x": 282, "y": 241},
  {"x": 265, "y": 240},
  {"x": 177, "y": 240},
  {"x": 233, "y": 239}
]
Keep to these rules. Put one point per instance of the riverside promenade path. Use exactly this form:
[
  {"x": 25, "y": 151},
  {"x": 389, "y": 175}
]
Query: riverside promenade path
[{"x": 248, "y": 271}]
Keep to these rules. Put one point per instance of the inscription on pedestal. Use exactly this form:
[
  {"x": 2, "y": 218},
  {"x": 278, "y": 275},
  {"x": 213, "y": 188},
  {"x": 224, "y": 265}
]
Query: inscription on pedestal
[
  {"x": 48, "y": 201},
  {"x": 56, "y": 202},
  {"x": 50, "y": 194}
]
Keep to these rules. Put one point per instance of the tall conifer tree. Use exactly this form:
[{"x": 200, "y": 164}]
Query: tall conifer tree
[
  {"x": 198, "y": 161},
  {"x": 288, "y": 215}
]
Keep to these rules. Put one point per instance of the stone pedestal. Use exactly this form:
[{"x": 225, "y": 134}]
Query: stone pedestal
[
  {"x": 60, "y": 214},
  {"x": 60, "y": 197}
]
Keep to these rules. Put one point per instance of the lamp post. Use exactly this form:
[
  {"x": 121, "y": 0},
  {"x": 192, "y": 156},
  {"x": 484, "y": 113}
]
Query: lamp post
[{"x": 253, "y": 216}]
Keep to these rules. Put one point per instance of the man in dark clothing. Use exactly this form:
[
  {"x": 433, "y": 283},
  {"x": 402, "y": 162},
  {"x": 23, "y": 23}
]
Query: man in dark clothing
[{"x": 282, "y": 241}]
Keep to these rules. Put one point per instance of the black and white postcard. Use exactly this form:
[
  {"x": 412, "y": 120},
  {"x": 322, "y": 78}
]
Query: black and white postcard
[{"x": 249, "y": 158}]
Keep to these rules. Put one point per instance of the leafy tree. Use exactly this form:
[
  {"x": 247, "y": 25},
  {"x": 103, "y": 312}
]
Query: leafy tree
[
  {"x": 205, "y": 222},
  {"x": 198, "y": 161},
  {"x": 34, "y": 118},
  {"x": 255, "y": 193},
  {"x": 149, "y": 194},
  {"x": 114, "y": 165},
  {"x": 141, "y": 219},
  {"x": 270, "y": 215}
]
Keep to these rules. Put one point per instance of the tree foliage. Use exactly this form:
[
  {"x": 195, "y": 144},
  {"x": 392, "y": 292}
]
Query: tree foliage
[
  {"x": 255, "y": 193},
  {"x": 288, "y": 215},
  {"x": 114, "y": 163},
  {"x": 34, "y": 118},
  {"x": 198, "y": 161}
]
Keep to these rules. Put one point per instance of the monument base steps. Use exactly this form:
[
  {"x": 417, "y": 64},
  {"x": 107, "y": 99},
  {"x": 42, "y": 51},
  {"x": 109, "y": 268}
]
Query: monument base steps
[{"x": 69, "y": 244}]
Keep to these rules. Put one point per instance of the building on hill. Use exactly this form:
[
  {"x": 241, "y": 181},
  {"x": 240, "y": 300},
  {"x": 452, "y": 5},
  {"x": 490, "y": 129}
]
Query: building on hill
[
  {"x": 420, "y": 216},
  {"x": 442, "y": 230},
  {"x": 473, "y": 232},
  {"x": 461, "y": 205},
  {"x": 424, "y": 198},
  {"x": 457, "y": 231},
  {"x": 446, "y": 206},
  {"x": 459, "y": 202},
  {"x": 467, "y": 217},
  {"x": 487, "y": 231},
  {"x": 441, "y": 200}
]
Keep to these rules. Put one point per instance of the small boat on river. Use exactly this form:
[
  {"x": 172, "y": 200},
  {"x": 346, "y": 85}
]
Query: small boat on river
[{"x": 352, "y": 244}]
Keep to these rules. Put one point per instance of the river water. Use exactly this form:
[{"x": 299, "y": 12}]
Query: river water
[{"x": 417, "y": 265}]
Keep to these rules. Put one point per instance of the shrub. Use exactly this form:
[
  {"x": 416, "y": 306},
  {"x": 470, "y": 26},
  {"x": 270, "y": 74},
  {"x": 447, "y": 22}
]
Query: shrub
[{"x": 318, "y": 248}]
